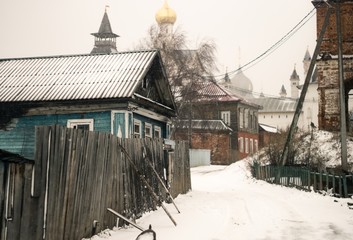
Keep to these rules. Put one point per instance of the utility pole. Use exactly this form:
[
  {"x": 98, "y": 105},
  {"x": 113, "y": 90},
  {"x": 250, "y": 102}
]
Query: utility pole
[
  {"x": 342, "y": 91},
  {"x": 305, "y": 88}
]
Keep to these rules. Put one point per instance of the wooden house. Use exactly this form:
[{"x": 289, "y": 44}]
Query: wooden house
[
  {"x": 126, "y": 94},
  {"x": 234, "y": 139}
]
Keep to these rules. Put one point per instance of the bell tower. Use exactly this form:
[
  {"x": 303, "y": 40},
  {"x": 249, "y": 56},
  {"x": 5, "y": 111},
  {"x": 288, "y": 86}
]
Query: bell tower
[{"x": 104, "y": 39}]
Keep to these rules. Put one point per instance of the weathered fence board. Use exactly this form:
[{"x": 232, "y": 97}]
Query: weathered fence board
[{"x": 78, "y": 174}]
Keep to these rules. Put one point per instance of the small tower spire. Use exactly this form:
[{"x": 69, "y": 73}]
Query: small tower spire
[
  {"x": 294, "y": 79},
  {"x": 283, "y": 92},
  {"x": 226, "y": 77},
  {"x": 306, "y": 61},
  {"x": 105, "y": 39}
]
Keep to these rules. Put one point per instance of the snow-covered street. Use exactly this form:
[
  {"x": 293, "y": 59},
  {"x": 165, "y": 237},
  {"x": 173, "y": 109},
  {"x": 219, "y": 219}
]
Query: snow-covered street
[{"x": 226, "y": 203}]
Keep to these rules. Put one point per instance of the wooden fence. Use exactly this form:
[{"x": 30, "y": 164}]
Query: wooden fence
[
  {"x": 303, "y": 178},
  {"x": 77, "y": 175}
]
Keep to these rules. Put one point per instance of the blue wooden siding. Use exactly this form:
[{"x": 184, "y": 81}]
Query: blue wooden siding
[
  {"x": 20, "y": 138},
  {"x": 153, "y": 122}
]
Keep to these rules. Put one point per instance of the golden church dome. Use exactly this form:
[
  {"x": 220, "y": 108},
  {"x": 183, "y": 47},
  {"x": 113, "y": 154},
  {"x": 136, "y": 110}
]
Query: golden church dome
[{"x": 165, "y": 15}]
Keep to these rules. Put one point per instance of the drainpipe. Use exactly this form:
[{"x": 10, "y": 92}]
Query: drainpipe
[{"x": 342, "y": 92}]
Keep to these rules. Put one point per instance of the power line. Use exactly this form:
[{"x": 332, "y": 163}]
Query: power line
[{"x": 275, "y": 46}]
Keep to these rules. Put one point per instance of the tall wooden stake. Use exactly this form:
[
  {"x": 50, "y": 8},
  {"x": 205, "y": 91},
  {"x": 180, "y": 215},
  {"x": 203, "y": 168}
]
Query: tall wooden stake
[{"x": 305, "y": 88}]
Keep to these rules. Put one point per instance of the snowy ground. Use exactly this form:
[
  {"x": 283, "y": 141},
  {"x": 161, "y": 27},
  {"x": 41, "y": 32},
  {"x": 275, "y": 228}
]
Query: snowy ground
[{"x": 226, "y": 203}]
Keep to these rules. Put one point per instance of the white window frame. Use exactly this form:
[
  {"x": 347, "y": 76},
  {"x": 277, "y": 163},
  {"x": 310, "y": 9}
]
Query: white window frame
[
  {"x": 148, "y": 126},
  {"x": 241, "y": 144},
  {"x": 225, "y": 116},
  {"x": 73, "y": 123},
  {"x": 241, "y": 118},
  {"x": 246, "y": 118},
  {"x": 256, "y": 145},
  {"x": 159, "y": 130},
  {"x": 137, "y": 134},
  {"x": 246, "y": 145},
  {"x": 251, "y": 146}
]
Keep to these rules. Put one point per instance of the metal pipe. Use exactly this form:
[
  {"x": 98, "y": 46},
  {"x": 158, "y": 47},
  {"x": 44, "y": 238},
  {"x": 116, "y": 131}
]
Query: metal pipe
[{"x": 342, "y": 91}]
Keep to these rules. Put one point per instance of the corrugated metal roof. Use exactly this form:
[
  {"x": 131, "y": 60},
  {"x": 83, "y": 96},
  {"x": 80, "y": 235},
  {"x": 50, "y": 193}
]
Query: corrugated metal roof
[
  {"x": 276, "y": 104},
  {"x": 211, "y": 91},
  {"x": 73, "y": 77}
]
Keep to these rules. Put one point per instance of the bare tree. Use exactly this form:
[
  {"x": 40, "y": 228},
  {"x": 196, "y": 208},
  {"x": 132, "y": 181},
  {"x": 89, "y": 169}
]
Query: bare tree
[{"x": 185, "y": 68}]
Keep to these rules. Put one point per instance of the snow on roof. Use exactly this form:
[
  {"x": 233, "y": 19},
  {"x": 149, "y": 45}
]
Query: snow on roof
[
  {"x": 268, "y": 128},
  {"x": 204, "y": 124},
  {"x": 73, "y": 77},
  {"x": 276, "y": 104}
]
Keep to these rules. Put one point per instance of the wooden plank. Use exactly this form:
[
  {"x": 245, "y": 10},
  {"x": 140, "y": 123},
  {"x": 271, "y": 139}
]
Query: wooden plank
[
  {"x": 344, "y": 183},
  {"x": 340, "y": 185},
  {"x": 39, "y": 131}
]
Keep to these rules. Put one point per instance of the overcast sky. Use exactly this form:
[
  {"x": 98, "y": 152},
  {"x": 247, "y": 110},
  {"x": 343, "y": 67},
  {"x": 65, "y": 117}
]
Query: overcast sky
[{"x": 242, "y": 30}]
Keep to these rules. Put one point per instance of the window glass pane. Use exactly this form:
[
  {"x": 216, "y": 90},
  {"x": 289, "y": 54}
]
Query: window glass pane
[
  {"x": 157, "y": 132},
  {"x": 148, "y": 130},
  {"x": 83, "y": 126}
]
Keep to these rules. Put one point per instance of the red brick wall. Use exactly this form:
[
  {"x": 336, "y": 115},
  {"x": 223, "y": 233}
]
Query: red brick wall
[
  {"x": 217, "y": 142},
  {"x": 329, "y": 43},
  {"x": 245, "y": 135},
  {"x": 327, "y": 69}
]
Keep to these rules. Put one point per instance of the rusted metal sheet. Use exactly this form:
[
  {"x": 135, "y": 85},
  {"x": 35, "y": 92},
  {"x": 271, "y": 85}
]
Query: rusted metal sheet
[{"x": 73, "y": 77}]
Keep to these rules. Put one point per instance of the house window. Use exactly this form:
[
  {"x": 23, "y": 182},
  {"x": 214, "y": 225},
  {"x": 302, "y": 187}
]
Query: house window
[
  {"x": 137, "y": 129},
  {"x": 246, "y": 145},
  {"x": 148, "y": 130},
  {"x": 251, "y": 146},
  {"x": 157, "y": 132},
  {"x": 241, "y": 144},
  {"x": 225, "y": 116},
  {"x": 85, "y": 124},
  {"x": 246, "y": 116},
  {"x": 251, "y": 124},
  {"x": 256, "y": 145},
  {"x": 241, "y": 118}
]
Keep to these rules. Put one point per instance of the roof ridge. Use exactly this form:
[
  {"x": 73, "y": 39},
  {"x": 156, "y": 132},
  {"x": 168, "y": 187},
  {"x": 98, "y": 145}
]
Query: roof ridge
[{"x": 77, "y": 55}]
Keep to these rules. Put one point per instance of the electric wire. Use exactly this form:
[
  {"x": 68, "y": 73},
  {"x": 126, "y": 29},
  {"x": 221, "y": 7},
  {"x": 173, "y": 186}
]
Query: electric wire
[{"x": 271, "y": 49}]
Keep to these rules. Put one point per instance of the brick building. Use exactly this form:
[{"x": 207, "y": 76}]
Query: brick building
[
  {"x": 327, "y": 63},
  {"x": 222, "y": 122}
]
